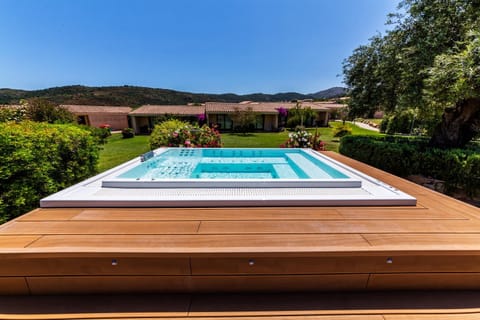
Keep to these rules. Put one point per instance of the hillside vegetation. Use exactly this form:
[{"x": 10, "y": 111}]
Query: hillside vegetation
[{"x": 137, "y": 96}]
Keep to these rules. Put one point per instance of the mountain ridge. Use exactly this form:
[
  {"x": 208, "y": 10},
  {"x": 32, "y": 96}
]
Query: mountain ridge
[{"x": 136, "y": 96}]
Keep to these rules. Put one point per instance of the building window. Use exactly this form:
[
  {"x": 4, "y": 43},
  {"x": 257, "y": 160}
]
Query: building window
[
  {"x": 83, "y": 120},
  {"x": 224, "y": 122},
  {"x": 259, "y": 122}
]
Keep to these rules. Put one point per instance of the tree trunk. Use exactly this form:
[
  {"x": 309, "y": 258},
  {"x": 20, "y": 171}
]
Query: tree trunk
[{"x": 459, "y": 125}]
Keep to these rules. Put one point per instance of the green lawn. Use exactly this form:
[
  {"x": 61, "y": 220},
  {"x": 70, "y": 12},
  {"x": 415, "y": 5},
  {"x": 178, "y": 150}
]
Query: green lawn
[
  {"x": 254, "y": 140},
  {"x": 117, "y": 150},
  {"x": 274, "y": 140}
]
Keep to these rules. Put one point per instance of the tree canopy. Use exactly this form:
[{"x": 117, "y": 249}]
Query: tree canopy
[{"x": 429, "y": 60}]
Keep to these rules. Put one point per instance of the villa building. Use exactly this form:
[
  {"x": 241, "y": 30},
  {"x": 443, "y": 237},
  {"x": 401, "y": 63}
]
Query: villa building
[
  {"x": 96, "y": 116},
  {"x": 144, "y": 118},
  {"x": 268, "y": 117}
]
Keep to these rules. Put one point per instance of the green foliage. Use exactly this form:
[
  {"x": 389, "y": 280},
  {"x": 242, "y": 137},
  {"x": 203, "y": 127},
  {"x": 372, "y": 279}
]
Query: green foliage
[
  {"x": 406, "y": 122},
  {"x": 403, "y": 156},
  {"x": 99, "y": 134},
  {"x": 455, "y": 76},
  {"x": 176, "y": 133},
  {"x": 244, "y": 119},
  {"x": 41, "y": 110},
  {"x": 39, "y": 159},
  {"x": 300, "y": 116},
  {"x": 12, "y": 113},
  {"x": 128, "y": 133},
  {"x": 428, "y": 60},
  {"x": 472, "y": 174},
  {"x": 342, "y": 131}
]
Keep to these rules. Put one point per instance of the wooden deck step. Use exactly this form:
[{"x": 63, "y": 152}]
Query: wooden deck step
[{"x": 425, "y": 305}]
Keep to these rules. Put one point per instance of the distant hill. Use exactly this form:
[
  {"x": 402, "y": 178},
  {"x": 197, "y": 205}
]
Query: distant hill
[
  {"x": 334, "y": 92},
  {"x": 136, "y": 96}
]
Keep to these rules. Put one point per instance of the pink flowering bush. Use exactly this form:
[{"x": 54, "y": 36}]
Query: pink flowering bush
[
  {"x": 304, "y": 139},
  {"x": 176, "y": 133}
]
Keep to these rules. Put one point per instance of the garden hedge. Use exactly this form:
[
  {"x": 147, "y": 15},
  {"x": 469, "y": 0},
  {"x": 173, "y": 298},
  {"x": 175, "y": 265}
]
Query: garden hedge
[
  {"x": 38, "y": 159},
  {"x": 403, "y": 156}
]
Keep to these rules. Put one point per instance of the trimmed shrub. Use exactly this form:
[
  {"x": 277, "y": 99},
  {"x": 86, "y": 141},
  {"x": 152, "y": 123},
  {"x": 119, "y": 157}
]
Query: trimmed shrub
[
  {"x": 128, "y": 133},
  {"x": 39, "y": 159},
  {"x": 176, "y": 133},
  {"x": 472, "y": 174},
  {"x": 403, "y": 156},
  {"x": 342, "y": 131}
]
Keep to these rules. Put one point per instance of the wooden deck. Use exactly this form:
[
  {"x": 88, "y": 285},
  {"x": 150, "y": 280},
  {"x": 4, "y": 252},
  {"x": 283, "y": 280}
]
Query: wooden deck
[
  {"x": 462, "y": 305},
  {"x": 434, "y": 245}
]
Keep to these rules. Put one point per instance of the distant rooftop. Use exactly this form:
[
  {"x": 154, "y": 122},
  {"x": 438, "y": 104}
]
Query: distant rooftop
[
  {"x": 97, "y": 109},
  {"x": 166, "y": 109}
]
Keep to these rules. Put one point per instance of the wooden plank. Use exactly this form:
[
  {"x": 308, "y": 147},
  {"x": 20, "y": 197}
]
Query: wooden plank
[
  {"x": 109, "y": 265},
  {"x": 405, "y": 213},
  {"x": 436, "y": 200},
  {"x": 434, "y": 316},
  {"x": 249, "y": 306},
  {"x": 303, "y": 317},
  {"x": 431, "y": 241},
  {"x": 204, "y": 214},
  {"x": 428, "y": 263},
  {"x": 425, "y": 281},
  {"x": 13, "y": 286},
  {"x": 348, "y": 226},
  {"x": 298, "y": 304},
  {"x": 354, "y": 263},
  {"x": 279, "y": 283},
  {"x": 144, "y": 306},
  {"x": 52, "y": 214},
  {"x": 103, "y": 227},
  {"x": 107, "y": 284},
  {"x": 236, "y": 214},
  {"x": 7, "y": 242},
  {"x": 201, "y": 243},
  {"x": 281, "y": 265}
]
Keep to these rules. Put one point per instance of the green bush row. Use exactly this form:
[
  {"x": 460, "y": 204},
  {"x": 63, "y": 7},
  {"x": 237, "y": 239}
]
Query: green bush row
[
  {"x": 403, "y": 156},
  {"x": 38, "y": 159}
]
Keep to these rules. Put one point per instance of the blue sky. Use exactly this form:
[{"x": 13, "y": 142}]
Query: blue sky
[{"x": 214, "y": 46}]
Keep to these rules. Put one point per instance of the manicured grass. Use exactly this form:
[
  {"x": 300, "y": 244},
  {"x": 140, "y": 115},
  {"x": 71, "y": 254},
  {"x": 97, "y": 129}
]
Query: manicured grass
[
  {"x": 117, "y": 150},
  {"x": 274, "y": 140},
  {"x": 331, "y": 142},
  {"x": 254, "y": 140}
]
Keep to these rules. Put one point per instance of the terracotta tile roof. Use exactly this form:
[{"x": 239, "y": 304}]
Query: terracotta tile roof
[
  {"x": 267, "y": 107},
  {"x": 150, "y": 110},
  {"x": 77, "y": 109},
  {"x": 262, "y": 107},
  {"x": 330, "y": 105},
  {"x": 226, "y": 107}
]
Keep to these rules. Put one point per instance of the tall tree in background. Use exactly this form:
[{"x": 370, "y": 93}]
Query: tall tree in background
[
  {"x": 244, "y": 119},
  {"x": 402, "y": 69}
]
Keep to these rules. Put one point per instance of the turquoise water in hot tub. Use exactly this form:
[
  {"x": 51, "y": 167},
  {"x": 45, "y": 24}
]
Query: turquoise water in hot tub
[
  {"x": 218, "y": 163},
  {"x": 183, "y": 163}
]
